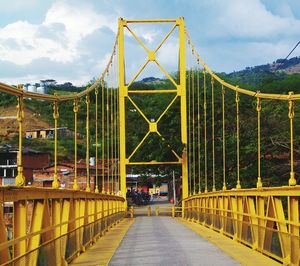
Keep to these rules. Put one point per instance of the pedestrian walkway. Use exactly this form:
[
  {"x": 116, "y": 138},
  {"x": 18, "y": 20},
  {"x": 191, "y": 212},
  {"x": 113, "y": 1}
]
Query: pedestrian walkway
[
  {"x": 105, "y": 247},
  {"x": 165, "y": 241}
]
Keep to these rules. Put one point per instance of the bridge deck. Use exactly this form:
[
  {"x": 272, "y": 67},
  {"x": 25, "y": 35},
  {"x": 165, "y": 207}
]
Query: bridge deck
[{"x": 165, "y": 241}]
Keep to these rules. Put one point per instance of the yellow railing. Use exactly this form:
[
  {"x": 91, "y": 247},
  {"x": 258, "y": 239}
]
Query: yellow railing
[
  {"x": 172, "y": 211},
  {"x": 51, "y": 227},
  {"x": 57, "y": 224},
  {"x": 266, "y": 220}
]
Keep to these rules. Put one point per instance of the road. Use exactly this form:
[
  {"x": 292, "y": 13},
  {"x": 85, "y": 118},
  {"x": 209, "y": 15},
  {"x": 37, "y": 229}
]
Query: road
[{"x": 165, "y": 241}]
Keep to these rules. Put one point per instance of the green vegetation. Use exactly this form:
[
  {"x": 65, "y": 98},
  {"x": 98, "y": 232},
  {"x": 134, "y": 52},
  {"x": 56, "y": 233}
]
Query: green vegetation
[{"x": 275, "y": 139}]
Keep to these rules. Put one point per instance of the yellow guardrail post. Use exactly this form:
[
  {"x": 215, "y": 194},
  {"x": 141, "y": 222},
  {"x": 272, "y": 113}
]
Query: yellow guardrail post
[
  {"x": 157, "y": 210},
  {"x": 131, "y": 212},
  {"x": 173, "y": 211},
  {"x": 149, "y": 211}
]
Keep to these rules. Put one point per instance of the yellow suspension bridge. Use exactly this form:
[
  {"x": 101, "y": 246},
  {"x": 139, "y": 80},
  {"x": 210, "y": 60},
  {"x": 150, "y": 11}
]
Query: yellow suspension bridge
[{"x": 57, "y": 226}]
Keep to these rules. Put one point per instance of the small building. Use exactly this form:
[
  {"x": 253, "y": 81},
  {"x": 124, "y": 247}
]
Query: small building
[
  {"x": 31, "y": 160},
  {"x": 65, "y": 172},
  {"x": 48, "y": 133}
]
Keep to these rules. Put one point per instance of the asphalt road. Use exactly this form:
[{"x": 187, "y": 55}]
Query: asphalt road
[{"x": 165, "y": 241}]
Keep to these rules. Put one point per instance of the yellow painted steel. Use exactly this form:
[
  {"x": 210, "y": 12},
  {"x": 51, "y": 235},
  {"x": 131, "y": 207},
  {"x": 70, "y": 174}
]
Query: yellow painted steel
[
  {"x": 258, "y": 109},
  {"x": 102, "y": 252},
  {"x": 19, "y": 229},
  {"x": 205, "y": 132},
  {"x": 238, "y": 252},
  {"x": 183, "y": 111},
  {"x": 189, "y": 132},
  {"x": 260, "y": 218},
  {"x": 199, "y": 129},
  {"x": 55, "y": 183},
  {"x": 223, "y": 139},
  {"x": 124, "y": 94},
  {"x": 237, "y": 101},
  {"x": 20, "y": 179},
  {"x": 292, "y": 180},
  {"x": 253, "y": 217},
  {"x": 96, "y": 181},
  {"x": 107, "y": 140},
  {"x": 58, "y": 219},
  {"x": 150, "y": 91},
  {"x": 36, "y": 225},
  {"x": 248, "y": 92},
  {"x": 265, "y": 219},
  {"x": 87, "y": 158},
  {"x": 111, "y": 109},
  {"x": 116, "y": 143},
  {"x": 213, "y": 135},
  {"x": 102, "y": 135},
  {"x": 193, "y": 133},
  {"x": 291, "y": 98},
  {"x": 75, "y": 110}
]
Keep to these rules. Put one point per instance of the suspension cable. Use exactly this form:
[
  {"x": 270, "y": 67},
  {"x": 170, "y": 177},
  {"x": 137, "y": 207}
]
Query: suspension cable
[
  {"x": 96, "y": 138},
  {"x": 292, "y": 180},
  {"x": 193, "y": 133},
  {"x": 103, "y": 134},
  {"x": 75, "y": 110},
  {"x": 111, "y": 136},
  {"x": 237, "y": 100},
  {"x": 107, "y": 138},
  {"x": 205, "y": 133},
  {"x": 251, "y": 93},
  {"x": 55, "y": 183},
  {"x": 258, "y": 109},
  {"x": 118, "y": 138},
  {"x": 199, "y": 128},
  {"x": 20, "y": 180},
  {"x": 224, "y": 138},
  {"x": 189, "y": 132},
  {"x": 87, "y": 160},
  {"x": 213, "y": 134}
]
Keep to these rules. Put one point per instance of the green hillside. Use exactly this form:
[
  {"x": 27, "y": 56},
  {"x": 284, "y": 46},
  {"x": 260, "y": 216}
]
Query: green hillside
[{"x": 274, "y": 124}]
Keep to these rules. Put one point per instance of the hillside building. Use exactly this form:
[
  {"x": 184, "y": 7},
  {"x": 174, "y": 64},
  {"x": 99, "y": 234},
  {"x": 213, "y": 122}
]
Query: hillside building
[{"x": 32, "y": 160}]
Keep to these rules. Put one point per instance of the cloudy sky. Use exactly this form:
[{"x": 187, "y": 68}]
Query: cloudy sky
[{"x": 71, "y": 40}]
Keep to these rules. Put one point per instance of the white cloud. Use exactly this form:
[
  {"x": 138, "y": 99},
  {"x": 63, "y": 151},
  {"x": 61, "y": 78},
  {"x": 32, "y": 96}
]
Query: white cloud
[
  {"x": 237, "y": 56},
  {"x": 78, "y": 21},
  {"x": 251, "y": 19},
  {"x": 102, "y": 63},
  {"x": 168, "y": 54},
  {"x": 21, "y": 42},
  {"x": 72, "y": 39},
  {"x": 11, "y": 6}
]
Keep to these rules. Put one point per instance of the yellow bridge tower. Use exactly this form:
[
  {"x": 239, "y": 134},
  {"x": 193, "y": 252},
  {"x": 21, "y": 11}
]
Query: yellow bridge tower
[{"x": 125, "y": 92}]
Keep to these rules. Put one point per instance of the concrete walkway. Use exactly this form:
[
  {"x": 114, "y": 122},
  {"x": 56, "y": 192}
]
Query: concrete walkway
[{"x": 165, "y": 241}]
